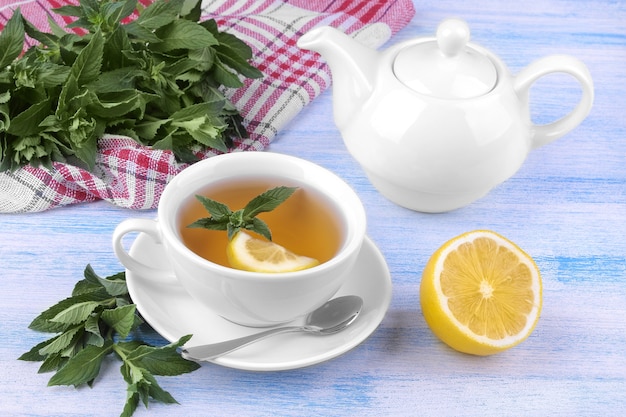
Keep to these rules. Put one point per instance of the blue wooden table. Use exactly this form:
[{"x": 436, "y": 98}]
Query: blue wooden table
[{"x": 566, "y": 207}]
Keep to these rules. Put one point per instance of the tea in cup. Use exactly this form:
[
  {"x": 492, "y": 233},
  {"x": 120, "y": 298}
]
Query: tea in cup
[{"x": 323, "y": 219}]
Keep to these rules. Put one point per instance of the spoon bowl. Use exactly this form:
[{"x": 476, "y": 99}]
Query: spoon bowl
[
  {"x": 335, "y": 315},
  {"x": 332, "y": 317}
]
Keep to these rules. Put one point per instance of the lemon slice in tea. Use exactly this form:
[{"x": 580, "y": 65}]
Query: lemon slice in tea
[
  {"x": 258, "y": 255},
  {"x": 480, "y": 293}
]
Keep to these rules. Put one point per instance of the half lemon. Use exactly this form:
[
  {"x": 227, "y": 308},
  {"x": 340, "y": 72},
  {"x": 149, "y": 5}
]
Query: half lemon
[{"x": 480, "y": 293}]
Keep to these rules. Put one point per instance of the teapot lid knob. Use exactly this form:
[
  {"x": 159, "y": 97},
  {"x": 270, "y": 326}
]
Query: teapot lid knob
[
  {"x": 452, "y": 36},
  {"x": 447, "y": 66}
]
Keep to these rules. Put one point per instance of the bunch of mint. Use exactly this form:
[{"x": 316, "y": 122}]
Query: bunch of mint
[
  {"x": 94, "y": 322},
  {"x": 156, "y": 79}
]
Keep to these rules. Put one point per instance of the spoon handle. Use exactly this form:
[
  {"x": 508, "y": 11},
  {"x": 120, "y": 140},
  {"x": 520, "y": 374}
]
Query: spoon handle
[{"x": 206, "y": 352}]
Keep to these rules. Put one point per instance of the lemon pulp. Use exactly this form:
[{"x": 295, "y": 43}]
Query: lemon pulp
[{"x": 480, "y": 293}]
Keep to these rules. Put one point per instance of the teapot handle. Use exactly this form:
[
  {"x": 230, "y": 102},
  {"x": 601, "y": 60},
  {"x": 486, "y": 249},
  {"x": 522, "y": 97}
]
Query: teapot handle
[{"x": 544, "y": 134}]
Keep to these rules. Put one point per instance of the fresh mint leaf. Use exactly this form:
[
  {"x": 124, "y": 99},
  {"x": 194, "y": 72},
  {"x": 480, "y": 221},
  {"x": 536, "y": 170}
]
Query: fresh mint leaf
[
  {"x": 70, "y": 10},
  {"x": 94, "y": 331},
  {"x": 217, "y": 210},
  {"x": 204, "y": 130},
  {"x": 119, "y": 79},
  {"x": 52, "y": 363},
  {"x": 44, "y": 323},
  {"x": 132, "y": 401},
  {"x": 121, "y": 319},
  {"x": 116, "y": 104},
  {"x": 198, "y": 110},
  {"x": 137, "y": 31},
  {"x": 49, "y": 40},
  {"x": 225, "y": 76},
  {"x": 260, "y": 227},
  {"x": 191, "y": 10},
  {"x": 67, "y": 99},
  {"x": 159, "y": 14},
  {"x": 232, "y": 56},
  {"x": 87, "y": 14},
  {"x": 27, "y": 122},
  {"x": 83, "y": 367},
  {"x": 155, "y": 391},
  {"x": 234, "y": 53},
  {"x": 210, "y": 223},
  {"x": 223, "y": 218},
  {"x": 61, "y": 342},
  {"x": 76, "y": 313},
  {"x": 183, "y": 34},
  {"x": 115, "y": 285},
  {"x": 230, "y": 45},
  {"x": 267, "y": 201},
  {"x": 164, "y": 360},
  {"x": 50, "y": 75},
  {"x": 150, "y": 128},
  {"x": 11, "y": 39},
  {"x": 86, "y": 68},
  {"x": 113, "y": 13}
]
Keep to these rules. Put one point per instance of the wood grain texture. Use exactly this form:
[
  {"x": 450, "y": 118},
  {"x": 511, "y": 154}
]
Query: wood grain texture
[{"x": 566, "y": 207}]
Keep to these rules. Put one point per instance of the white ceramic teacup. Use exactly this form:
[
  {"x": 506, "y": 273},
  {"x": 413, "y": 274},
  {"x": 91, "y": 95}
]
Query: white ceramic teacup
[{"x": 249, "y": 298}]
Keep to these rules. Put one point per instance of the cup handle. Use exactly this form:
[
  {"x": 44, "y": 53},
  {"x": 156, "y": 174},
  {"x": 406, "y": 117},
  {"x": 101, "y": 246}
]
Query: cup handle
[
  {"x": 544, "y": 134},
  {"x": 151, "y": 228}
]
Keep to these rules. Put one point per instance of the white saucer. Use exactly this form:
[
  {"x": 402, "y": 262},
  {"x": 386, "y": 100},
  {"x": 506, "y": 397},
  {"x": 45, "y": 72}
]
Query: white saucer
[{"x": 171, "y": 311}]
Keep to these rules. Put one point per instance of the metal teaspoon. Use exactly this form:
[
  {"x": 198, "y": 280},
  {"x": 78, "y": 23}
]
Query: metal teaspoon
[{"x": 332, "y": 317}]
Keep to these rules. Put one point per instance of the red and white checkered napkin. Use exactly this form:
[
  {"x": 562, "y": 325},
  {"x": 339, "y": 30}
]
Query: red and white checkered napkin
[{"x": 133, "y": 176}]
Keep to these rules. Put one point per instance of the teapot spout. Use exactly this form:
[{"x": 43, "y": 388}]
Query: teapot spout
[{"x": 352, "y": 65}]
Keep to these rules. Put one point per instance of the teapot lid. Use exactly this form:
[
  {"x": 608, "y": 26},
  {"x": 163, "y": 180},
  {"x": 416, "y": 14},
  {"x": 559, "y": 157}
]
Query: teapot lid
[{"x": 447, "y": 68}]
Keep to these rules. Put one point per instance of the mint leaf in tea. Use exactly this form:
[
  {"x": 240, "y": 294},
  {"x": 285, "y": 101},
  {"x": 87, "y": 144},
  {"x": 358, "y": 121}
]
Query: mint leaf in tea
[{"x": 223, "y": 218}]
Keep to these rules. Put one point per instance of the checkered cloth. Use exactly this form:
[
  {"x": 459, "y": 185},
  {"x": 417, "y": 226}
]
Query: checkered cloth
[{"x": 133, "y": 176}]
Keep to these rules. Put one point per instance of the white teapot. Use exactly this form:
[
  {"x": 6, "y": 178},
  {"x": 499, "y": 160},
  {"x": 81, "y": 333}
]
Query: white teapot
[{"x": 437, "y": 122}]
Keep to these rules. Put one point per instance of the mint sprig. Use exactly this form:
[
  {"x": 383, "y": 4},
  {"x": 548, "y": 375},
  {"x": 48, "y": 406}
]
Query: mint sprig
[
  {"x": 156, "y": 79},
  {"x": 223, "y": 218},
  {"x": 95, "y": 322}
]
